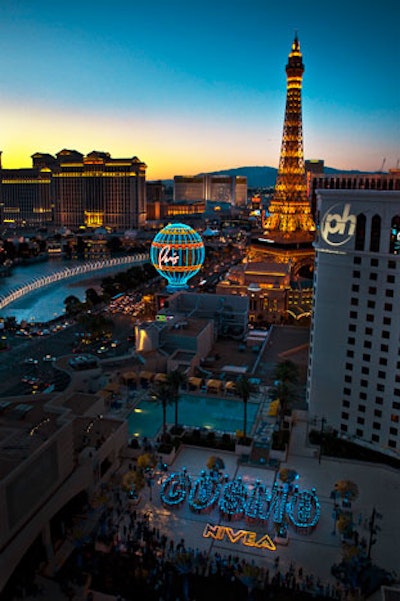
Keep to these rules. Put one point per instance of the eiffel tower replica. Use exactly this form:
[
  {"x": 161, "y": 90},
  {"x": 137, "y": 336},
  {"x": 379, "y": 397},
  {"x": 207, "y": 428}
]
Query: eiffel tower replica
[{"x": 289, "y": 227}]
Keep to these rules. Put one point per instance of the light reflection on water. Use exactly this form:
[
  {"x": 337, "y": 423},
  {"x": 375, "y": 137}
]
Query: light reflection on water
[
  {"x": 48, "y": 302},
  {"x": 211, "y": 413}
]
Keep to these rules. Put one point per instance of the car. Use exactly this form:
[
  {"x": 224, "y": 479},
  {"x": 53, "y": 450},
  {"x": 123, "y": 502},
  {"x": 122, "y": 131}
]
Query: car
[
  {"x": 30, "y": 361},
  {"x": 49, "y": 359}
]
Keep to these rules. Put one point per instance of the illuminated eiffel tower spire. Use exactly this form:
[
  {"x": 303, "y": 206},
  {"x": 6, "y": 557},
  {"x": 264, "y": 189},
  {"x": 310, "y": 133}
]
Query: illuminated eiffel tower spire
[{"x": 289, "y": 210}]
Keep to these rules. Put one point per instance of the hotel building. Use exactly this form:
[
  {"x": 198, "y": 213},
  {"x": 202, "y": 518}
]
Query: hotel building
[
  {"x": 55, "y": 455},
  {"x": 211, "y": 189},
  {"x": 354, "y": 368},
  {"x": 73, "y": 190}
]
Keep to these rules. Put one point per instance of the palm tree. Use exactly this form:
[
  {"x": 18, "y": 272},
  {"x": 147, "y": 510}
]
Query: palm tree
[
  {"x": 243, "y": 388},
  {"x": 161, "y": 392},
  {"x": 287, "y": 371},
  {"x": 286, "y": 375},
  {"x": 175, "y": 380}
]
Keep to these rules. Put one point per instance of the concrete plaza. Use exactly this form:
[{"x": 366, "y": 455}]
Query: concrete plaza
[{"x": 379, "y": 487}]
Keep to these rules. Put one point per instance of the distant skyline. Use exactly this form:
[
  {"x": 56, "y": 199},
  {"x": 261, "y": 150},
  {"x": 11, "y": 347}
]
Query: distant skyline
[{"x": 200, "y": 86}]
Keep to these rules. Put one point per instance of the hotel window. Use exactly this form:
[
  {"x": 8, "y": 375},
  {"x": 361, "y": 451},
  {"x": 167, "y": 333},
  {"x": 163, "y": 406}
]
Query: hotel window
[
  {"x": 385, "y": 334},
  {"x": 379, "y": 400},
  {"x": 369, "y": 331},
  {"x": 381, "y": 374},
  {"x": 357, "y": 261},
  {"x": 343, "y": 427},
  {"x": 371, "y": 304},
  {"x": 351, "y": 340},
  {"x": 359, "y": 432},
  {"x": 375, "y": 238},
  {"x": 345, "y": 415},
  {"x": 384, "y": 348},
  {"x": 394, "y": 418},
  {"x": 396, "y": 392},
  {"x": 372, "y": 290},
  {"x": 378, "y": 413},
  {"x": 390, "y": 279},
  {"x": 347, "y": 379},
  {"x": 380, "y": 387},
  {"x": 356, "y": 274},
  {"x": 391, "y": 264},
  {"x": 376, "y": 425},
  {"x": 370, "y": 317},
  {"x": 361, "y": 408},
  {"x": 382, "y": 361},
  {"x": 360, "y": 232},
  {"x": 387, "y": 321},
  {"x": 363, "y": 396},
  {"x": 353, "y": 314},
  {"x": 352, "y": 327},
  {"x": 366, "y": 357},
  {"x": 365, "y": 370},
  {"x": 364, "y": 383},
  {"x": 346, "y": 391},
  {"x": 350, "y": 354},
  {"x": 374, "y": 262},
  {"x": 375, "y": 438},
  {"x": 396, "y": 405},
  {"x": 394, "y": 246},
  {"x": 392, "y": 444},
  {"x": 389, "y": 293},
  {"x": 354, "y": 302},
  {"x": 355, "y": 288},
  {"x": 367, "y": 344},
  {"x": 373, "y": 275},
  {"x": 361, "y": 421},
  {"x": 349, "y": 366},
  {"x": 345, "y": 403},
  {"x": 393, "y": 431}
]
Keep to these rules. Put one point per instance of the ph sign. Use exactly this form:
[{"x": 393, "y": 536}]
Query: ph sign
[{"x": 338, "y": 225}]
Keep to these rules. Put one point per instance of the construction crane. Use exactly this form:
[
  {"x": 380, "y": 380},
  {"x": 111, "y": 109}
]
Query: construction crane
[{"x": 382, "y": 166}]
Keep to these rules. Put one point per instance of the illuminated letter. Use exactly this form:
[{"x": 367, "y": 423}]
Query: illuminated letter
[
  {"x": 234, "y": 537},
  {"x": 215, "y": 532},
  {"x": 204, "y": 493},
  {"x": 265, "y": 543},
  {"x": 304, "y": 509},
  {"x": 233, "y": 501}
]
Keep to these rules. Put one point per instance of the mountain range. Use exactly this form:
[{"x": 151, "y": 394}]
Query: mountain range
[{"x": 262, "y": 177}]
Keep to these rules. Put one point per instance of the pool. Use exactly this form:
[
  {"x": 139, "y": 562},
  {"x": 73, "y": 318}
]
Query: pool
[{"x": 213, "y": 413}]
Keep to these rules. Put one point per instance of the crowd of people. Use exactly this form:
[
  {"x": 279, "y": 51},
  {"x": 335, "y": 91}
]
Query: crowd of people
[{"x": 130, "y": 558}]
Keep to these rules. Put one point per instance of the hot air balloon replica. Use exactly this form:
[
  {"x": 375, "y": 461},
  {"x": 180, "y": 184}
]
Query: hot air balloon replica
[{"x": 177, "y": 253}]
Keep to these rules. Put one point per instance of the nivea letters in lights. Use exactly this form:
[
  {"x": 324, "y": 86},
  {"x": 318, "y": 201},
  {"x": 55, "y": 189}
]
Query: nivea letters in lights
[{"x": 177, "y": 252}]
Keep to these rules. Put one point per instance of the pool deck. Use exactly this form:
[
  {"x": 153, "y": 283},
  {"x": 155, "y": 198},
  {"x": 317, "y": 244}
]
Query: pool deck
[
  {"x": 256, "y": 406},
  {"x": 315, "y": 553}
]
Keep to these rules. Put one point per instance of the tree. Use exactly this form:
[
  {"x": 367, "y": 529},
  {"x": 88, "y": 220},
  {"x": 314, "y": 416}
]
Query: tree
[
  {"x": 73, "y": 305},
  {"x": 97, "y": 325},
  {"x": 176, "y": 379},
  {"x": 286, "y": 377},
  {"x": 92, "y": 297},
  {"x": 243, "y": 388},
  {"x": 287, "y": 372},
  {"x": 10, "y": 323},
  {"x": 161, "y": 392}
]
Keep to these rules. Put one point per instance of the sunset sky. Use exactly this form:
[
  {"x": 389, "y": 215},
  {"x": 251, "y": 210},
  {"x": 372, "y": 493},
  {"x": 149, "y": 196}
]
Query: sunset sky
[{"x": 192, "y": 86}]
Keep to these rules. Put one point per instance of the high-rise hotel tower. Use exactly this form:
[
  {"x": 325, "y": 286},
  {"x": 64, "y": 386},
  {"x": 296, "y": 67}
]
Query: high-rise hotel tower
[{"x": 354, "y": 371}]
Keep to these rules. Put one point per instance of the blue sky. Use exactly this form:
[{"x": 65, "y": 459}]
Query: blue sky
[{"x": 198, "y": 86}]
